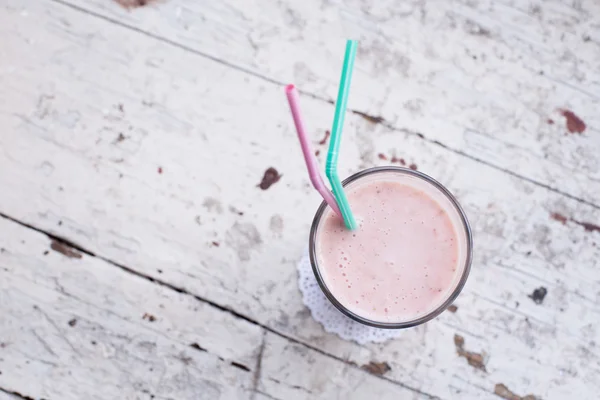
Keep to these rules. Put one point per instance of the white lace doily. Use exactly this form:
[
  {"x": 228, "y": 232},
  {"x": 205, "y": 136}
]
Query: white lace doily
[{"x": 331, "y": 318}]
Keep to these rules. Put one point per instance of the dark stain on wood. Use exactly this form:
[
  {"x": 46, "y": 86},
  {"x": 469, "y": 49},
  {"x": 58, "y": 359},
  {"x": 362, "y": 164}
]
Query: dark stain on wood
[
  {"x": 149, "y": 317},
  {"x": 129, "y": 4},
  {"x": 502, "y": 391},
  {"x": 370, "y": 118},
  {"x": 474, "y": 359},
  {"x": 325, "y": 138},
  {"x": 559, "y": 217},
  {"x": 236, "y": 211},
  {"x": 538, "y": 295},
  {"x": 240, "y": 366},
  {"x": 196, "y": 346},
  {"x": 119, "y": 138},
  {"x": 574, "y": 123},
  {"x": 588, "y": 226},
  {"x": 377, "y": 368},
  {"x": 396, "y": 160},
  {"x": 186, "y": 360},
  {"x": 64, "y": 249},
  {"x": 270, "y": 177},
  {"x": 452, "y": 308}
]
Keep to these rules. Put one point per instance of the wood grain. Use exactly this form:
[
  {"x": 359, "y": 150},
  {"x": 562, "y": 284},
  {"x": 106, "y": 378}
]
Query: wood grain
[
  {"x": 487, "y": 79},
  {"x": 146, "y": 157},
  {"x": 76, "y": 329}
]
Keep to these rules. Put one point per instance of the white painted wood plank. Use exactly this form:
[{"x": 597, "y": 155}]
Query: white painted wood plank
[
  {"x": 486, "y": 78},
  {"x": 75, "y": 327},
  {"x": 295, "y": 373},
  {"x": 72, "y": 175}
]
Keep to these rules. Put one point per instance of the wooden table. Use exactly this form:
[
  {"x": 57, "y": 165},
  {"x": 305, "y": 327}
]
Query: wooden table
[{"x": 141, "y": 259}]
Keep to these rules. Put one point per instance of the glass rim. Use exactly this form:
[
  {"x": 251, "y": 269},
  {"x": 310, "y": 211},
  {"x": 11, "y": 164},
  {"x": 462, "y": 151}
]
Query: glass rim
[{"x": 442, "y": 307}]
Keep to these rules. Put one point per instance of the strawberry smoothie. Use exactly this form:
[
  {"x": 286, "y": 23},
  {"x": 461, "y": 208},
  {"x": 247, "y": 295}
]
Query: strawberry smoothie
[{"x": 409, "y": 256}]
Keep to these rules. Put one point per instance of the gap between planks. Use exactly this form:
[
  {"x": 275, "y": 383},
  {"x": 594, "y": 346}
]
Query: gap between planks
[
  {"x": 228, "y": 310},
  {"x": 15, "y": 395},
  {"x": 370, "y": 118}
]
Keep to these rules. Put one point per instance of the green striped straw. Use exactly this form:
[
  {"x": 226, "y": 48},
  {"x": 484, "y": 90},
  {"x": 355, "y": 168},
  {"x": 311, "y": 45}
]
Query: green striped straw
[{"x": 336, "y": 136}]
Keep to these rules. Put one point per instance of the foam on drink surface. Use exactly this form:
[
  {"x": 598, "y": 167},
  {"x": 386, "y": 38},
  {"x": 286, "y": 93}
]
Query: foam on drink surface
[{"x": 400, "y": 263}]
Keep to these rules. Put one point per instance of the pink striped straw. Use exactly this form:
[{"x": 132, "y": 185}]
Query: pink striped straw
[{"x": 311, "y": 161}]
